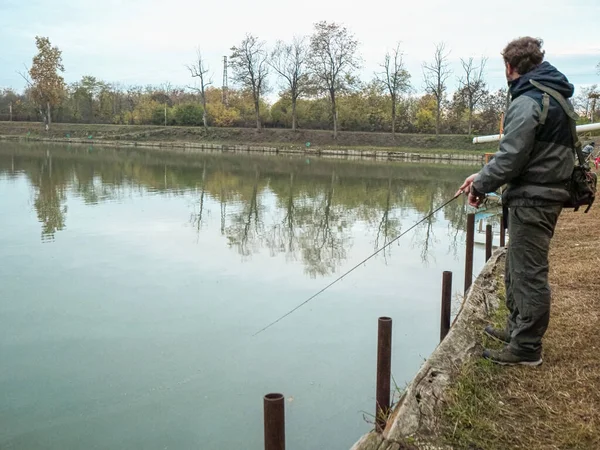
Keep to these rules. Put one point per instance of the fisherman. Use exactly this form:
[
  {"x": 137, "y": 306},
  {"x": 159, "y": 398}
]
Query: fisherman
[
  {"x": 535, "y": 159},
  {"x": 588, "y": 149}
]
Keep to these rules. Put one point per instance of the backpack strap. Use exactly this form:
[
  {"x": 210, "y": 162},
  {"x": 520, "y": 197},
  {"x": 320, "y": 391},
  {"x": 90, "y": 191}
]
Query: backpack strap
[
  {"x": 569, "y": 111},
  {"x": 566, "y": 106},
  {"x": 545, "y": 108}
]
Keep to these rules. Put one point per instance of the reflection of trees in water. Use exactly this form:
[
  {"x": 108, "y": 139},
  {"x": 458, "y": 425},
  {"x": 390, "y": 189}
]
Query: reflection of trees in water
[
  {"x": 456, "y": 215},
  {"x": 325, "y": 233},
  {"x": 304, "y": 212},
  {"x": 246, "y": 229},
  {"x": 50, "y": 196},
  {"x": 383, "y": 230},
  {"x": 424, "y": 235},
  {"x": 305, "y": 223},
  {"x": 197, "y": 217}
]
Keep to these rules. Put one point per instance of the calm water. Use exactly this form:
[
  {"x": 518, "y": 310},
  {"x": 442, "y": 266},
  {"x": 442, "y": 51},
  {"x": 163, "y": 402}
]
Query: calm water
[{"x": 131, "y": 284}]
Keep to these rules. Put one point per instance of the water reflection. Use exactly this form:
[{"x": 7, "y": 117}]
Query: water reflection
[{"x": 305, "y": 209}]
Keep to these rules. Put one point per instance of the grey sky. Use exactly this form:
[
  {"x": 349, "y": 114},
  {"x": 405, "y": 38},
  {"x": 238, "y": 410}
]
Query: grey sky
[{"x": 150, "y": 41}]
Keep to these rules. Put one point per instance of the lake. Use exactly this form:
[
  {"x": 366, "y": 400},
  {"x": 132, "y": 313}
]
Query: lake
[{"x": 132, "y": 283}]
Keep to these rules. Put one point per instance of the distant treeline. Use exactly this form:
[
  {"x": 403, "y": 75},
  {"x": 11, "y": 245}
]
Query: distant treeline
[{"x": 318, "y": 85}]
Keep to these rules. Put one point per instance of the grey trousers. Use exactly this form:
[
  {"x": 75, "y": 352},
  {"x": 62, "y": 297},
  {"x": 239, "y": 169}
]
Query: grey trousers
[{"x": 530, "y": 230}]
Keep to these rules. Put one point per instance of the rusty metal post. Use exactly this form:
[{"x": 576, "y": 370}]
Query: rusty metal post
[
  {"x": 274, "y": 422},
  {"x": 446, "y": 303},
  {"x": 488, "y": 241},
  {"x": 384, "y": 371},
  {"x": 502, "y": 231},
  {"x": 469, "y": 251}
]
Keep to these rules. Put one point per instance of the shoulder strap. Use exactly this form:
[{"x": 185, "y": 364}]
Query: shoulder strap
[
  {"x": 569, "y": 111},
  {"x": 545, "y": 108}
]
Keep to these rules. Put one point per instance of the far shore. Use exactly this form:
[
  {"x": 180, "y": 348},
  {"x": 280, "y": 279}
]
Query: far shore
[{"x": 381, "y": 146}]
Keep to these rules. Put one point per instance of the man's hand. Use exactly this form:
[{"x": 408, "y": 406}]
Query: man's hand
[
  {"x": 475, "y": 198},
  {"x": 466, "y": 186}
]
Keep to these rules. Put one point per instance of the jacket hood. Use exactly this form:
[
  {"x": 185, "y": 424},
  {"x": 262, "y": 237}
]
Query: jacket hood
[{"x": 545, "y": 74}]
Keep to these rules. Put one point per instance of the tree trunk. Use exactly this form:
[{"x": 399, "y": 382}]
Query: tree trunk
[
  {"x": 204, "y": 118},
  {"x": 294, "y": 114},
  {"x": 393, "y": 116},
  {"x": 10, "y": 111},
  {"x": 48, "y": 116},
  {"x": 335, "y": 123},
  {"x": 91, "y": 118},
  {"x": 334, "y": 114},
  {"x": 437, "y": 119},
  {"x": 587, "y": 108},
  {"x": 470, "y": 120},
  {"x": 257, "y": 111}
]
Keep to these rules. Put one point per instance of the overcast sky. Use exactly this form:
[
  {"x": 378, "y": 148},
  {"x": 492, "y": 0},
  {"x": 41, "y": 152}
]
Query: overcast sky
[{"x": 150, "y": 41}]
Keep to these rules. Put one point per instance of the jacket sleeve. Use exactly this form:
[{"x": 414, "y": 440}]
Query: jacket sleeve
[{"x": 516, "y": 146}]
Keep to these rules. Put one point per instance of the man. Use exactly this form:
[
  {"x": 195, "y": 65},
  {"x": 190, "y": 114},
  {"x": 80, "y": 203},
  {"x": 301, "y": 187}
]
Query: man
[
  {"x": 588, "y": 149},
  {"x": 535, "y": 159}
]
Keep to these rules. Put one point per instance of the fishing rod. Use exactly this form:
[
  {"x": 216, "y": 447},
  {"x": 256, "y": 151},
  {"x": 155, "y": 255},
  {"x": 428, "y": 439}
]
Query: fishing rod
[{"x": 360, "y": 263}]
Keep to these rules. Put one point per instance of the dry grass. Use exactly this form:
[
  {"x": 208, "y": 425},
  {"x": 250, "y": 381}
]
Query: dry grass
[{"x": 555, "y": 406}]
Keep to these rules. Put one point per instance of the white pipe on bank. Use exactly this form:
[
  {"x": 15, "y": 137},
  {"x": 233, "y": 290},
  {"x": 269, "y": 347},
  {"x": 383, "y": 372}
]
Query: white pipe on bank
[
  {"x": 484, "y": 139},
  {"x": 496, "y": 137}
]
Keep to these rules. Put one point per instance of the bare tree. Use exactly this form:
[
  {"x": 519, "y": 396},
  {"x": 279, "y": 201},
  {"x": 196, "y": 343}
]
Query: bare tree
[
  {"x": 473, "y": 85},
  {"x": 132, "y": 99},
  {"x": 395, "y": 79},
  {"x": 436, "y": 74},
  {"x": 250, "y": 66},
  {"x": 584, "y": 101},
  {"x": 332, "y": 61},
  {"x": 593, "y": 97},
  {"x": 199, "y": 70},
  {"x": 290, "y": 61}
]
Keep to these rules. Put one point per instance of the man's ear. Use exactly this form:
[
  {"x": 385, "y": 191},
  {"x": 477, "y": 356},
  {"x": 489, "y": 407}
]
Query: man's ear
[{"x": 511, "y": 72}]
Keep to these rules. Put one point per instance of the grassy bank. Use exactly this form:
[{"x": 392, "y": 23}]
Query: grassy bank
[
  {"x": 318, "y": 139},
  {"x": 555, "y": 406}
]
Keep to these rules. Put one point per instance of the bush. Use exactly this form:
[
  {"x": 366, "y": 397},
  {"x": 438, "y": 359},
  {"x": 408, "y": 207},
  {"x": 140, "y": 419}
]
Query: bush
[
  {"x": 158, "y": 116},
  {"x": 221, "y": 116},
  {"x": 188, "y": 115}
]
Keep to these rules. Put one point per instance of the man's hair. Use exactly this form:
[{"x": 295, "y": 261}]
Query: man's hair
[{"x": 524, "y": 54}]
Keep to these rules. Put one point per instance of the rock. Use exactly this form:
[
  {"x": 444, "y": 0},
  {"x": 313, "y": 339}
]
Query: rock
[{"x": 370, "y": 441}]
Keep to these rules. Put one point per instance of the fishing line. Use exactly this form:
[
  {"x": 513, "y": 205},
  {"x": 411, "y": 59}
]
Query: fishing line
[{"x": 360, "y": 263}]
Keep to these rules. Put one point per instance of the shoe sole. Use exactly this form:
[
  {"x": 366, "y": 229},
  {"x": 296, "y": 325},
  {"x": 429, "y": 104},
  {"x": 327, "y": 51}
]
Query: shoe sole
[
  {"x": 520, "y": 363},
  {"x": 495, "y": 337}
]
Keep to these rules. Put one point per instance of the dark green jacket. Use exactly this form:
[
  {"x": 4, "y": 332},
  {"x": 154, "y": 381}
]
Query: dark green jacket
[{"x": 534, "y": 160}]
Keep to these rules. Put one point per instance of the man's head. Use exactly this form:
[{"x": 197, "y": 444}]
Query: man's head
[{"x": 521, "y": 56}]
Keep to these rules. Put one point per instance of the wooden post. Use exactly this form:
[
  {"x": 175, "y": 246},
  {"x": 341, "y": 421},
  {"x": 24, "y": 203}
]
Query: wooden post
[
  {"x": 446, "y": 304},
  {"x": 384, "y": 371},
  {"x": 488, "y": 241},
  {"x": 469, "y": 251}
]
